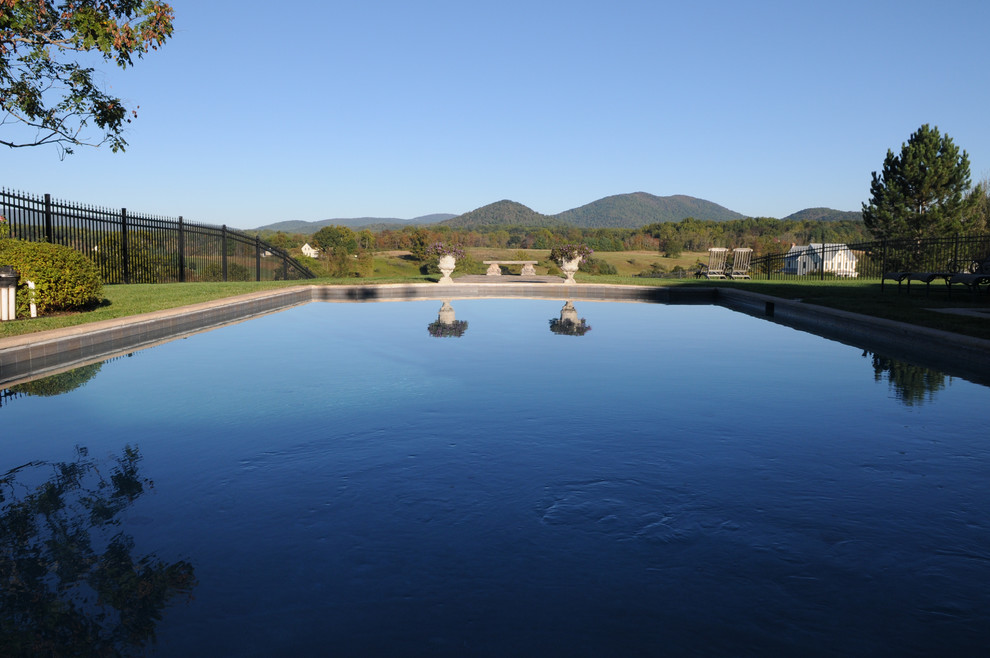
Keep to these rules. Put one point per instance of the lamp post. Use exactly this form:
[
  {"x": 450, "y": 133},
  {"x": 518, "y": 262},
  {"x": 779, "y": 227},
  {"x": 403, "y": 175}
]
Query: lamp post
[{"x": 8, "y": 292}]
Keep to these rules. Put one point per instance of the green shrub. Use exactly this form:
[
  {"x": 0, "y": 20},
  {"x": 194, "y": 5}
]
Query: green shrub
[
  {"x": 63, "y": 278},
  {"x": 466, "y": 264},
  {"x": 145, "y": 262},
  {"x": 210, "y": 272},
  {"x": 238, "y": 272},
  {"x": 597, "y": 266}
]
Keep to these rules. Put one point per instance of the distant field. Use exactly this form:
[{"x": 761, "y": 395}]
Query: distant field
[
  {"x": 630, "y": 263},
  {"x": 627, "y": 263}
]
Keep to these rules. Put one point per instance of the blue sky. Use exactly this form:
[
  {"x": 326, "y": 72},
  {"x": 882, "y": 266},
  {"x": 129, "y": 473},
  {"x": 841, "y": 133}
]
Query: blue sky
[{"x": 252, "y": 115}]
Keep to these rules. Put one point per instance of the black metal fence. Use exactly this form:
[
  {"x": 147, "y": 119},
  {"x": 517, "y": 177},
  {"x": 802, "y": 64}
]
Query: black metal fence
[
  {"x": 870, "y": 260},
  {"x": 134, "y": 248}
]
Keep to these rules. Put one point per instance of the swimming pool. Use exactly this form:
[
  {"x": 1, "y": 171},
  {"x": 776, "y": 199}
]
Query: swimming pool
[{"x": 678, "y": 479}]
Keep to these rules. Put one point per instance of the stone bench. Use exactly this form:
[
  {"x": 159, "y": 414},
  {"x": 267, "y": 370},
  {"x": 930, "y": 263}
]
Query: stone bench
[{"x": 529, "y": 266}]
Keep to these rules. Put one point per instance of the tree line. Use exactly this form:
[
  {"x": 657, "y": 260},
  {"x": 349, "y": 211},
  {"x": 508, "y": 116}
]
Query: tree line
[{"x": 763, "y": 234}]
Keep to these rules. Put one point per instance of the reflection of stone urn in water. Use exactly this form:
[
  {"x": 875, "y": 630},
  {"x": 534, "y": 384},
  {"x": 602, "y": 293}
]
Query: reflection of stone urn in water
[
  {"x": 446, "y": 265},
  {"x": 446, "y": 325},
  {"x": 446, "y": 315},
  {"x": 568, "y": 324}
]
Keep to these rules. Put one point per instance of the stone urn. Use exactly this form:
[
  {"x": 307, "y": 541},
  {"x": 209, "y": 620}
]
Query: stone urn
[
  {"x": 569, "y": 266},
  {"x": 446, "y": 265}
]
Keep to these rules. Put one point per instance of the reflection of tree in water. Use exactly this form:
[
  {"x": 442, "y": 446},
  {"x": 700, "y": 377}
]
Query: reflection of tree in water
[
  {"x": 63, "y": 382},
  {"x": 58, "y": 384},
  {"x": 69, "y": 584},
  {"x": 912, "y": 384}
]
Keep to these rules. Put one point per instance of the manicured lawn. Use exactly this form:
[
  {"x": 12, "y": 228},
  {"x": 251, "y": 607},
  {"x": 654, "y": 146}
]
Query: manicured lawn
[
  {"x": 850, "y": 295},
  {"x": 123, "y": 301},
  {"x": 859, "y": 297}
]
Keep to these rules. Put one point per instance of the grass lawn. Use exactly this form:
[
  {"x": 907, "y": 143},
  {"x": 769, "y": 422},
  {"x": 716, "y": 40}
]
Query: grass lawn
[
  {"x": 858, "y": 297},
  {"x": 394, "y": 267}
]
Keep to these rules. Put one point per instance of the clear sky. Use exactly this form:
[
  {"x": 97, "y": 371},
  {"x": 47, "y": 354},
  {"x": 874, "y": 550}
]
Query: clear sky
[{"x": 258, "y": 112}]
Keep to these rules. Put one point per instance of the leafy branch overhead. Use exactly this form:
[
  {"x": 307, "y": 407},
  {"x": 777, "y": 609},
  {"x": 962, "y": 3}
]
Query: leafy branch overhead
[{"x": 47, "y": 96}]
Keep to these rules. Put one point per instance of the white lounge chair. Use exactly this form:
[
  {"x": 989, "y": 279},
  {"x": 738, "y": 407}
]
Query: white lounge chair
[
  {"x": 740, "y": 263},
  {"x": 716, "y": 264}
]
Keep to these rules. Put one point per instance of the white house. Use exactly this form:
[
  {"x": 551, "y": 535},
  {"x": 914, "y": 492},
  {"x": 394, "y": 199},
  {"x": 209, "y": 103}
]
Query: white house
[
  {"x": 808, "y": 259},
  {"x": 310, "y": 251}
]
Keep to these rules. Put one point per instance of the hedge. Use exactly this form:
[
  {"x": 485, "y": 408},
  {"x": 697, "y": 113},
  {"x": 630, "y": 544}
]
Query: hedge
[{"x": 63, "y": 278}]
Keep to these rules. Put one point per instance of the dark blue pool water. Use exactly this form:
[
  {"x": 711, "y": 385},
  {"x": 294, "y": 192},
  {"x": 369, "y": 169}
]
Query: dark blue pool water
[{"x": 678, "y": 480}]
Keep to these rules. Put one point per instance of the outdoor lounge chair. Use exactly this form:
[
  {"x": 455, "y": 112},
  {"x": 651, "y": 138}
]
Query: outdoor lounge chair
[
  {"x": 716, "y": 264},
  {"x": 740, "y": 263},
  {"x": 977, "y": 274}
]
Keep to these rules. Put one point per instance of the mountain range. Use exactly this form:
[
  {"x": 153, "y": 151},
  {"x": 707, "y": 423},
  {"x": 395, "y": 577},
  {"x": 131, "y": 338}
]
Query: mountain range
[{"x": 633, "y": 210}]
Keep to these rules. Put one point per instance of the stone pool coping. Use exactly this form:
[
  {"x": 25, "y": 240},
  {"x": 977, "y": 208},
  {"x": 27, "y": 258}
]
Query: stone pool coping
[{"x": 31, "y": 355}]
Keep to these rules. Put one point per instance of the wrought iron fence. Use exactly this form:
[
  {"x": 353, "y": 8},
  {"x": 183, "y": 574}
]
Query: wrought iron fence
[
  {"x": 871, "y": 260},
  {"x": 135, "y": 248}
]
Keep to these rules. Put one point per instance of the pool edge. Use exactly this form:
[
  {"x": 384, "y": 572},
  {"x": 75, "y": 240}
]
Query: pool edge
[{"x": 32, "y": 355}]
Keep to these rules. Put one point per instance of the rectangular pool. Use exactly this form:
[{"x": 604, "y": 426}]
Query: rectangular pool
[{"x": 336, "y": 480}]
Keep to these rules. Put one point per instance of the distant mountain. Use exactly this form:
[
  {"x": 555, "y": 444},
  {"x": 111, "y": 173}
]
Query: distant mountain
[
  {"x": 308, "y": 228},
  {"x": 825, "y": 215},
  {"x": 502, "y": 213},
  {"x": 633, "y": 210},
  {"x": 639, "y": 209}
]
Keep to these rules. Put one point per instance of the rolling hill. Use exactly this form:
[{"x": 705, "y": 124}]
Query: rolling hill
[
  {"x": 825, "y": 215},
  {"x": 633, "y": 210},
  {"x": 639, "y": 209},
  {"x": 375, "y": 223},
  {"x": 502, "y": 213}
]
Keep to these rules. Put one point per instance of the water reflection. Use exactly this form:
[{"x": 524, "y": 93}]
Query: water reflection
[
  {"x": 71, "y": 585},
  {"x": 58, "y": 384},
  {"x": 913, "y": 385},
  {"x": 568, "y": 323},
  {"x": 446, "y": 325}
]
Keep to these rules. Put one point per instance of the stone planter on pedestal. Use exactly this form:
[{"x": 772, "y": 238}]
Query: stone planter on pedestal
[
  {"x": 446, "y": 265},
  {"x": 569, "y": 267}
]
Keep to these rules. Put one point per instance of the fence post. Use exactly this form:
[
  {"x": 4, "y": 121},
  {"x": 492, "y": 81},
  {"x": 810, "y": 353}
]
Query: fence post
[
  {"x": 223, "y": 249},
  {"x": 182, "y": 251},
  {"x": 125, "y": 258},
  {"x": 48, "y": 219},
  {"x": 257, "y": 257},
  {"x": 883, "y": 262},
  {"x": 821, "y": 275}
]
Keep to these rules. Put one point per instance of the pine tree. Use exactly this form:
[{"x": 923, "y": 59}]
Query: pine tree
[{"x": 922, "y": 192}]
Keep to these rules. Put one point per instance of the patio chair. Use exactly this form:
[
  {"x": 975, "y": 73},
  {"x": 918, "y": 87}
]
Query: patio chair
[
  {"x": 716, "y": 264},
  {"x": 740, "y": 263}
]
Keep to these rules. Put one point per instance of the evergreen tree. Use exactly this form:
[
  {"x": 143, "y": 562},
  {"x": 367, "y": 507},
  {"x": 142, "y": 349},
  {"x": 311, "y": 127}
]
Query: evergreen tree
[{"x": 921, "y": 192}]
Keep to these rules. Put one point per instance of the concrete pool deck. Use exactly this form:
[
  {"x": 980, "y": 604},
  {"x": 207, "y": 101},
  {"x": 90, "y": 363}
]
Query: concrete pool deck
[{"x": 29, "y": 356}]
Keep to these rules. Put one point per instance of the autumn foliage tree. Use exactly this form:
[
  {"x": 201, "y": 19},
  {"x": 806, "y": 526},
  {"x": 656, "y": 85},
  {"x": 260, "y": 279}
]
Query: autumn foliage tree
[{"x": 47, "y": 96}]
